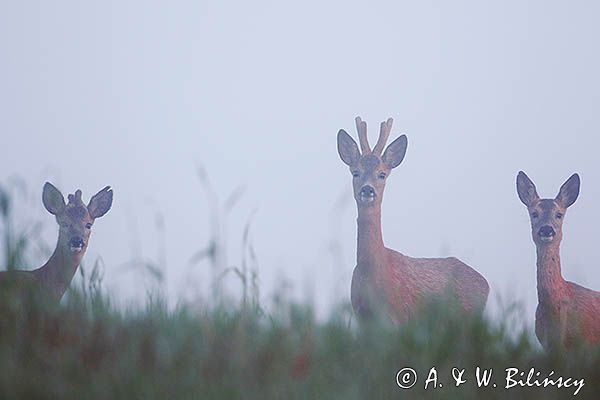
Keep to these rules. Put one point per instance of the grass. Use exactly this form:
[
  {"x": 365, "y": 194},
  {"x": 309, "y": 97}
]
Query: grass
[{"x": 87, "y": 348}]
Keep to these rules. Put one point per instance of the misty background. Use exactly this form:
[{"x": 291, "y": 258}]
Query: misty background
[{"x": 140, "y": 95}]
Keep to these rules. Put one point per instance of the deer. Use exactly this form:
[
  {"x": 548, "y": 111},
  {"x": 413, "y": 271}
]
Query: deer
[
  {"x": 385, "y": 282},
  {"x": 75, "y": 221},
  {"x": 567, "y": 313}
]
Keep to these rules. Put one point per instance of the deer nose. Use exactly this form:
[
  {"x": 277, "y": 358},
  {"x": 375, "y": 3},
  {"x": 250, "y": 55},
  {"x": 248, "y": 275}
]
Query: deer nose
[
  {"x": 546, "y": 231},
  {"x": 367, "y": 191},
  {"x": 77, "y": 242}
]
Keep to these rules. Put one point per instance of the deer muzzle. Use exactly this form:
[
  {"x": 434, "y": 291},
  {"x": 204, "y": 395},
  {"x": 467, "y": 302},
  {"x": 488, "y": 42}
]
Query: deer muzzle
[
  {"x": 367, "y": 194},
  {"x": 546, "y": 233},
  {"x": 76, "y": 244}
]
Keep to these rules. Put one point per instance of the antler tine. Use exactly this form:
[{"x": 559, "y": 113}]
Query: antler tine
[
  {"x": 75, "y": 198},
  {"x": 384, "y": 133},
  {"x": 361, "y": 127}
]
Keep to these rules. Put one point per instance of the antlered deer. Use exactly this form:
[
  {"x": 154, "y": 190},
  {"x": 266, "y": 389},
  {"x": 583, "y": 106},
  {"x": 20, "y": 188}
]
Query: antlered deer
[
  {"x": 566, "y": 312},
  {"x": 75, "y": 221},
  {"x": 384, "y": 281}
]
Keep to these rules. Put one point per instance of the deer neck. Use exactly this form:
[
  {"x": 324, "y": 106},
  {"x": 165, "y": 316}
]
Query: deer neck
[
  {"x": 56, "y": 275},
  {"x": 370, "y": 249},
  {"x": 550, "y": 283}
]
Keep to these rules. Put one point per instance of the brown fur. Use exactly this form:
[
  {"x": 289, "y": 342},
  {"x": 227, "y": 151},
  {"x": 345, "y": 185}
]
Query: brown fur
[
  {"x": 75, "y": 220},
  {"x": 385, "y": 281},
  {"x": 566, "y": 313}
]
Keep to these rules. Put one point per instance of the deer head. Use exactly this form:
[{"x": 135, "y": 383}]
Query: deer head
[
  {"x": 75, "y": 219},
  {"x": 370, "y": 168},
  {"x": 547, "y": 215}
]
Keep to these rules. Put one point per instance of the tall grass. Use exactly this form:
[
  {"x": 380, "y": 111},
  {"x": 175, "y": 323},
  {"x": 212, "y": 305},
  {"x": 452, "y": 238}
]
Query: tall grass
[
  {"x": 87, "y": 348},
  {"x": 16, "y": 241}
]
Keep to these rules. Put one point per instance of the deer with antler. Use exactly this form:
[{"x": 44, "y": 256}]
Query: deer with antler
[
  {"x": 75, "y": 221},
  {"x": 566, "y": 312},
  {"x": 386, "y": 282}
]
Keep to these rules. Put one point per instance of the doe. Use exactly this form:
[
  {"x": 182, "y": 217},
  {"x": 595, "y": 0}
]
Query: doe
[{"x": 566, "y": 312}]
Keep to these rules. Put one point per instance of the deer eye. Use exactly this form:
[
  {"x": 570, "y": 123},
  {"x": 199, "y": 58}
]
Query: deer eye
[
  {"x": 534, "y": 215},
  {"x": 88, "y": 226},
  {"x": 559, "y": 215},
  {"x": 355, "y": 174},
  {"x": 381, "y": 175}
]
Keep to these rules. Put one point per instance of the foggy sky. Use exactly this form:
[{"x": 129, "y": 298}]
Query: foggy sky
[{"x": 137, "y": 95}]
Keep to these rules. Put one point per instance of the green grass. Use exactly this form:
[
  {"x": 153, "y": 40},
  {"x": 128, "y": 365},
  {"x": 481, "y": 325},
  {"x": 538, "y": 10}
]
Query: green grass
[
  {"x": 87, "y": 348},
  {"x": 90, "y": 350}
]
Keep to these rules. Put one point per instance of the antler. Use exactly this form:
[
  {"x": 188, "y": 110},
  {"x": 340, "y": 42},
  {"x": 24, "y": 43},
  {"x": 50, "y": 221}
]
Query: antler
[
  {"x": 75, "y": 198},
  {"x": 384, "y": 133},
  {"x": 361, "y": 127}
]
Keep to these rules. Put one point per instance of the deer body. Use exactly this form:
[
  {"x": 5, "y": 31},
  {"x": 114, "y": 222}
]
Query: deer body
[
  {"x": 566, "y": 311},
  {"x": 385, "y": 281},
  {"x": 75, "y": 221}
]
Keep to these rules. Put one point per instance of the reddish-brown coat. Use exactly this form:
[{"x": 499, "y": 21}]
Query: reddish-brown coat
[
  {"x": 567, "y": 313},
  {"x": 385, "y": 281},
  {"x": 75, "y": 220}
]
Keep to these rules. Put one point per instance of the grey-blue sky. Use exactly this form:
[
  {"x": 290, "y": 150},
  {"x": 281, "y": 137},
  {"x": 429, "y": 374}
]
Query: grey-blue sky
[{"x": 134, "y": 94}]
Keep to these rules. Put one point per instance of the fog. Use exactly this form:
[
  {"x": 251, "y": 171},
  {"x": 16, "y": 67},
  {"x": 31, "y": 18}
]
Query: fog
[{"x": 139, "y": 95}]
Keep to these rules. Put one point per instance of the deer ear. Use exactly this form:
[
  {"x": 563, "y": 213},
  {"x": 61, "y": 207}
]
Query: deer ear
[
  {"x": 526, "y": 189},
  {"x": 395, "y": 152},
  {"x": 100, "y": 203},
  {"x": 53, "y": 199},
  {"x": 347, "y": 148},
  {"x": 569, "y": 191}
]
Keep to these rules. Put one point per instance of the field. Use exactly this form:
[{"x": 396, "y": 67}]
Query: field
[{"x": 87, "y": 348}]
